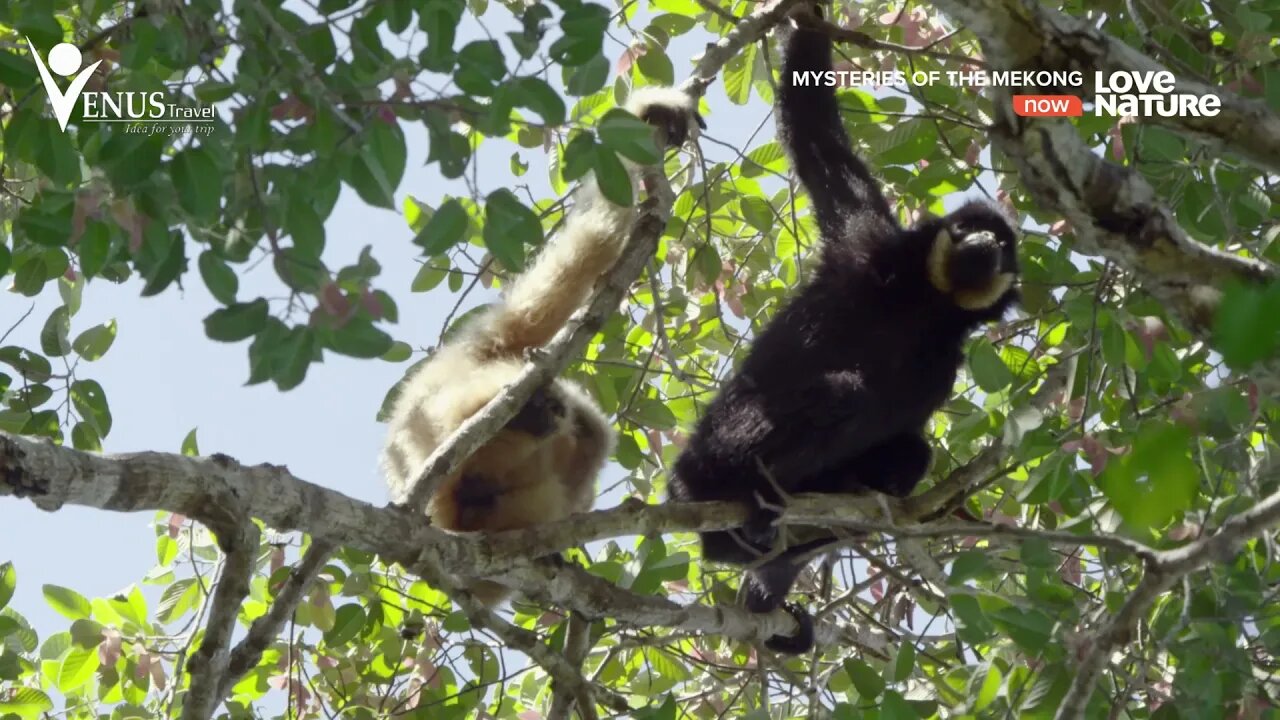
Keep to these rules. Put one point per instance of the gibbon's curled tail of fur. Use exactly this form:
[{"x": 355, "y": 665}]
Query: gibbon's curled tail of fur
[
  {"x": 837, "y": 390},
  {"x": 543, "y": 464}
]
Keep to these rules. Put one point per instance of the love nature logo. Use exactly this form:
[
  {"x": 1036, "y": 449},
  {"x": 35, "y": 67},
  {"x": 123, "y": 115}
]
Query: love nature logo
[{"x": 144, "y": 112}]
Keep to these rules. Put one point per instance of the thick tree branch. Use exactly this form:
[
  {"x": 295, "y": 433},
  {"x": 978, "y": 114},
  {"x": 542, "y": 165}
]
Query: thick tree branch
[
  {"x": 208, "y": 666},
  {"x": 577, "y": 643},
  {"x": 264, "y": 630},
  {"x": 51, "y": 476}
]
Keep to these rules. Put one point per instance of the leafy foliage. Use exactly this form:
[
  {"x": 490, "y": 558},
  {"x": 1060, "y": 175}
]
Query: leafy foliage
[{"x": 1157, "y": 437}]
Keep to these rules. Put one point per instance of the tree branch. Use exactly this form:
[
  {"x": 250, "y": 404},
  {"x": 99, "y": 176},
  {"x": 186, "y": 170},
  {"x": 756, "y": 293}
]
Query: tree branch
[
  {"x": 264, "y": 630},
  {"x": 208, "y": 666},
  {"x": 1163, "y": 571},
  {"x": 51, "y": 476}
]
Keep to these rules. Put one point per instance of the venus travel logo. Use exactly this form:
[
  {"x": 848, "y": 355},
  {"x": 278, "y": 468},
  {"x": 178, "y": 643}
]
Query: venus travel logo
[
  {"x": 64, "y": 59},
  {"x": 142, "y": 112}
]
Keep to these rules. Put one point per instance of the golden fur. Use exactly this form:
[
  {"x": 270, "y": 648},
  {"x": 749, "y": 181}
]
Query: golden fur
[{"x": 541, "y": 468}]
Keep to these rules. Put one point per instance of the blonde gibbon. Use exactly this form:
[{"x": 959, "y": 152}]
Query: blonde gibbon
[{"x": 543, "y": 464}]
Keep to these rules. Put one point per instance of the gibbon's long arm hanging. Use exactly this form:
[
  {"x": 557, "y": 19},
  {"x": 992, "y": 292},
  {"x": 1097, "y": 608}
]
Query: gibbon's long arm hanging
[
  {"x": 543, "y": 464},
  {"x": 836, "y": 391}
]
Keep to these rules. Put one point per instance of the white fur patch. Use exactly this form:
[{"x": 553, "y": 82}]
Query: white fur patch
[{"x": 666, "y": 96}]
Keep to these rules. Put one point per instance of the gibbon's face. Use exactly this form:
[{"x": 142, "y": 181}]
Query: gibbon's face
[{"x": 974, "y": 257}]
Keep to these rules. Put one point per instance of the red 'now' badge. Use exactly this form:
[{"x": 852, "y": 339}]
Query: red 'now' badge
[{"x": 1048, "y": 105}]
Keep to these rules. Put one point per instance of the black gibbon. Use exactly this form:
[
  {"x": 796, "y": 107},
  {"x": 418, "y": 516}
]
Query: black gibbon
[
  {"x": 543, "y": 464},
  {"x": 835, "y": 393}
]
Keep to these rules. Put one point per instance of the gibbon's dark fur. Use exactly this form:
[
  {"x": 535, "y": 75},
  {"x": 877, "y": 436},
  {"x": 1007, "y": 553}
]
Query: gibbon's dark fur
[
  {"x": 835, "y": 393},
  {"x": 542, "y": 466}
]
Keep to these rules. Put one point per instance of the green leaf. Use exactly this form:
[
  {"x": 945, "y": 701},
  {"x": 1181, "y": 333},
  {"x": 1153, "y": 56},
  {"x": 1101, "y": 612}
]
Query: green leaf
[
  {"x": 31, "y": 365},
  {"x": 90, "y": 400},
  {"x": 1247, "y": 326},
  {"x": 131, "y": 159},
  {"x": 16, "y": 72},
  {"x": 55, "y": 154},
  {"x": 612, "y": 178},
  {"x": 96, "y": 341},
  {"x": 218, "y": 277},
  {"x": 987, "y": 368},
  {"x": 75, "y": 669},
  {"x": 758, "y": 212},
  {"x": 348, "y": 620},
  {"x": 300, "y": 269},
  {"x": 509, "y": 227},
  {"x": 86, "y": 633},
  {"x": 588, "y": 78},
  {"x": 654, "y": 413},
  {"x": 237, "y": 322},
  {"x": 161, "y": 259},
  {"x": 1156, "y": 480},
  {"x": 1030, "y": 629},
  {"x": 971, "y": 622},
  {"x": 213, "y": 91},
  {"x": 177, "y": 599},
  {"x": 8, "y": 582},
  {"x": 905, "y": 662},
  {"x": 909, "y": 142},
  {"x": 481, "y": 67},
  {"x": 375, "y": 172},
  {"x": 359, "y": 338},
  {"x": 968, "y": 565},
  {"x": 737, "y": 76},
  {"x": 989, "y": 690},
  {"x": 629, "y": 136},
  {"x": 535, "y": 94},
  {"x": 54, "y": 337},
  {"x": 67, "y": 602},
  {"x": 190, "y": 447},
  {"x": 293, "y": 357},
  {"x": 399, "y": 352},
  {"x": 584, "y": 27},
  {"x": 440, "y": 21},
  {"x": 94, "y": 248},
  {"x": 305, "y": 226},
  {"x": 316, "y": 43},
  {"x": 579, "y": 156},
  {"x": 428, "y": 277},
  {"x": 198, "y": 181},
  {"x": 656, "y": 66},
  {"x": 84, "y": 437},
  {"x": 27, "y": 703},
  {"x": 865, "y": 679},
  {"x": 446, "y": 228},
  {"x": 895, "y": 707},
  {"x": 1024, "y": 367}
]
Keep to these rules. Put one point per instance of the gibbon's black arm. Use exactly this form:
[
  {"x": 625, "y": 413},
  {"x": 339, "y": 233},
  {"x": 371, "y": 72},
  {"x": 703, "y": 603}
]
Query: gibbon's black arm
[{"x": 842, "y": 189}]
